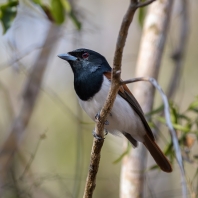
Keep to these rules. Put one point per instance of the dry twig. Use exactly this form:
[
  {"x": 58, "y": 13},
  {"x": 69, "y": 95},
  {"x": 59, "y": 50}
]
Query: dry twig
[
  {"x": 148, "y": 64},
  {"x": 170, "y": 126},
  {"x": 115, "y": 79}
]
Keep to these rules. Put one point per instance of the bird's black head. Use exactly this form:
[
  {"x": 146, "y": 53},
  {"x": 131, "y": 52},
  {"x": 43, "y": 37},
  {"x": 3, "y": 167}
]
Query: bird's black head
[
  {"x": 82, "y": 60},
  {"x": 88, "y": 67}
]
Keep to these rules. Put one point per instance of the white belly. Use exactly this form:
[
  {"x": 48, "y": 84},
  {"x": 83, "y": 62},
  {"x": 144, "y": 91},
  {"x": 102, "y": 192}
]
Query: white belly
[{"x": 122, "y": 118}]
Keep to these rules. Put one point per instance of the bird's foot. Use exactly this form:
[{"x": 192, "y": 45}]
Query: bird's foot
[
  {"x": 97, "y": 118},
  {"x": 106, "y": 132},
  {"x": 97, "y": 136}
]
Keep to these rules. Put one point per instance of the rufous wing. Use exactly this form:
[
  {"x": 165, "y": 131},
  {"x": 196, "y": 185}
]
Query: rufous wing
[{"x": 149, "y": 140}]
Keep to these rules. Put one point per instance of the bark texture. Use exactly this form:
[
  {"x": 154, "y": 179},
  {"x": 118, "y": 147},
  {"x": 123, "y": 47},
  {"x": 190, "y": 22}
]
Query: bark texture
[
  {"x": 115, "y": 79},
  {"x": 148, "y": 64}
]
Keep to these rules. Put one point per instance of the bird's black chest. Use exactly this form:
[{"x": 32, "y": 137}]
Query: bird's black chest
[{"x": 87, "y": 85}]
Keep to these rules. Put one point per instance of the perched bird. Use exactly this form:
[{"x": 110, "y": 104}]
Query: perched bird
[{"x": 92, "y": 81}]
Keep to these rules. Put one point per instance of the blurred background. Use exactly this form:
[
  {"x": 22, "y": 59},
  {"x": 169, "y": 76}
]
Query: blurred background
[{"x": 54, "y": 150}]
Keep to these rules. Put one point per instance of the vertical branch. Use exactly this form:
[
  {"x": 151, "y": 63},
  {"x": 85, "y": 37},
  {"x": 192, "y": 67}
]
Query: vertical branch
[
  {"x": 179, "y": 51},
  {"x": 170, "y": 126},
  {"x": 99, "y": 128},
  {"x": 30, "y": 94},
  {"x": 115, "y": 79},
  {"x": 148, "y": 64}
]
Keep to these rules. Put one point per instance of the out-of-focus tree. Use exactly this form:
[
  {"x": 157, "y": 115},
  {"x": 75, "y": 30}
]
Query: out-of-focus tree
[
  {"x": 56, "y": 12},
  {"x": 155, "y": 30}
]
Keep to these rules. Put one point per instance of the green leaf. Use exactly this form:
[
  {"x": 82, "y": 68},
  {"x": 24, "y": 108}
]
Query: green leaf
[
  {"x": 184, "y": 117},
  {"x": 168, "y": 149},
  {"x": 75, "y": 20},
  {"x": 37, "y": 2},
  {"x": 122, "y": 155},
  {"x": 161, "y": 119},
  {"x": 176, "y": 126},
  {"x": 66, "y": 5},
  {"x": 153, "y": 167},
  {"x": 173, "y": 115},
  {"x": 151, "y": 124},
  {"x": 194, "y": 106},
  {"x": 155, "y": 111},
  {"x": 141, "y": 15},
  {"x": 8, "y": 12},
  {"x": 181, "y": 128},
  {"x": 57, "y": 11}
]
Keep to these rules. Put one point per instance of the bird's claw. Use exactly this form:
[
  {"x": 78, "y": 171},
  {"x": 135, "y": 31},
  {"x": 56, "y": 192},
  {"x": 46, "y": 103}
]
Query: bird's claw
[
  {"x": 106, "y": 122},
  {"x": 106, "y": 132},
  {"x": 97, "y": 136},
  {"x": 97, "y": 118}
]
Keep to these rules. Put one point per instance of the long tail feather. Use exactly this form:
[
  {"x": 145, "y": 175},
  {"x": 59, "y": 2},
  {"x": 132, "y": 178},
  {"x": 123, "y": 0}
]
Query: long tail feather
[{"x": 157, "y": 154}]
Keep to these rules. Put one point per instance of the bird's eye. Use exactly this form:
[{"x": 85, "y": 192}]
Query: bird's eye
[{"x": 85, "y": 55}]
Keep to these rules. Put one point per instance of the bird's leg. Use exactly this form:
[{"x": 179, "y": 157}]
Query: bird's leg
[
  {"x": 97, "y": 118},
  {"x": 106, "y": 132},
  {"x": 97, "y": 136}
]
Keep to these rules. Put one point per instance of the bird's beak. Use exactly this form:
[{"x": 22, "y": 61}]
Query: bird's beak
[{"x": 67, "y": 57}]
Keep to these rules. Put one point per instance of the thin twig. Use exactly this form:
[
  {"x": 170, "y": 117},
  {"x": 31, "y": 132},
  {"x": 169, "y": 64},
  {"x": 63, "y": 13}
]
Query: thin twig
[
  {"x": 28, "y": 50},
  {"x": 170, "y": 126},
  {"x": 33, "y": 155},
  {"x": 143, "y": 4},
  {"x": 115, "y": 79},
  {"x": 151, "y": 48},
  {"x": 7, "y": 98}
]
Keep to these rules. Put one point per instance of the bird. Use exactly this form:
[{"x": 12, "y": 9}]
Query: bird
[{"x": 92, "y": 81}]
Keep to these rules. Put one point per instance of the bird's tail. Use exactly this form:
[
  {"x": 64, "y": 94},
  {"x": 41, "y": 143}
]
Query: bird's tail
[{"x": 157, "y": 154}]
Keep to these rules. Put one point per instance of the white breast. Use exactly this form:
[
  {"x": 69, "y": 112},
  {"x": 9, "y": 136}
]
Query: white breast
[{"x": 122, "y": 118}]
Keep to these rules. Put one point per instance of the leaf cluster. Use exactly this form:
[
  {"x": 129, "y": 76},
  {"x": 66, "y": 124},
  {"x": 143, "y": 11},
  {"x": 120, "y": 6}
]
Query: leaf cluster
[
  {"x": 185, "y": 124},
  {"x": 57, "y": 12}
]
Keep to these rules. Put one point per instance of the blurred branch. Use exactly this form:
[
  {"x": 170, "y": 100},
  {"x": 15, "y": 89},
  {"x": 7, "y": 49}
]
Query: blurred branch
[
  {"x": 79, "y": 155},
  {"x": 32, "y": 157},
  {"x": 148, "y": 64},
  {"x": 59, "y": 102},
  {"x": 30, "y": 94},
  {"x": 56, "y": 11},
  {"x": 9, "y": 105},
  {"x": 170, "y": 126},
  {"x": 143, "y": 4},
  {"x": 22, "y": 54},
  {"x": 179, "y": 51},
  {"x": 115, "y": 84}
]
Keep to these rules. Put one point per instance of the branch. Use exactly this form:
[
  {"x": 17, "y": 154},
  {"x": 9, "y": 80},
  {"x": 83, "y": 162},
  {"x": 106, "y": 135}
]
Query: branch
[
  {"x": 179, "y": 51},
  {"x": 27, "y": 51},
  {"x": 148, "y": 64},
  {"x": 115, "y": 79},
  {"x": 143, "y": 4},
  {"x": 170, "y": 126}
]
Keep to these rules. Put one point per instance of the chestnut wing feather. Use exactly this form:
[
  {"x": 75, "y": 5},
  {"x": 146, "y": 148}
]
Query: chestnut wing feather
[{"x": 125, "y": 93}]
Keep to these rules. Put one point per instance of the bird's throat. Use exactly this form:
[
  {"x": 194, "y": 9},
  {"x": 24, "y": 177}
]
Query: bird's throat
[{"x": 86, "y": 86}]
